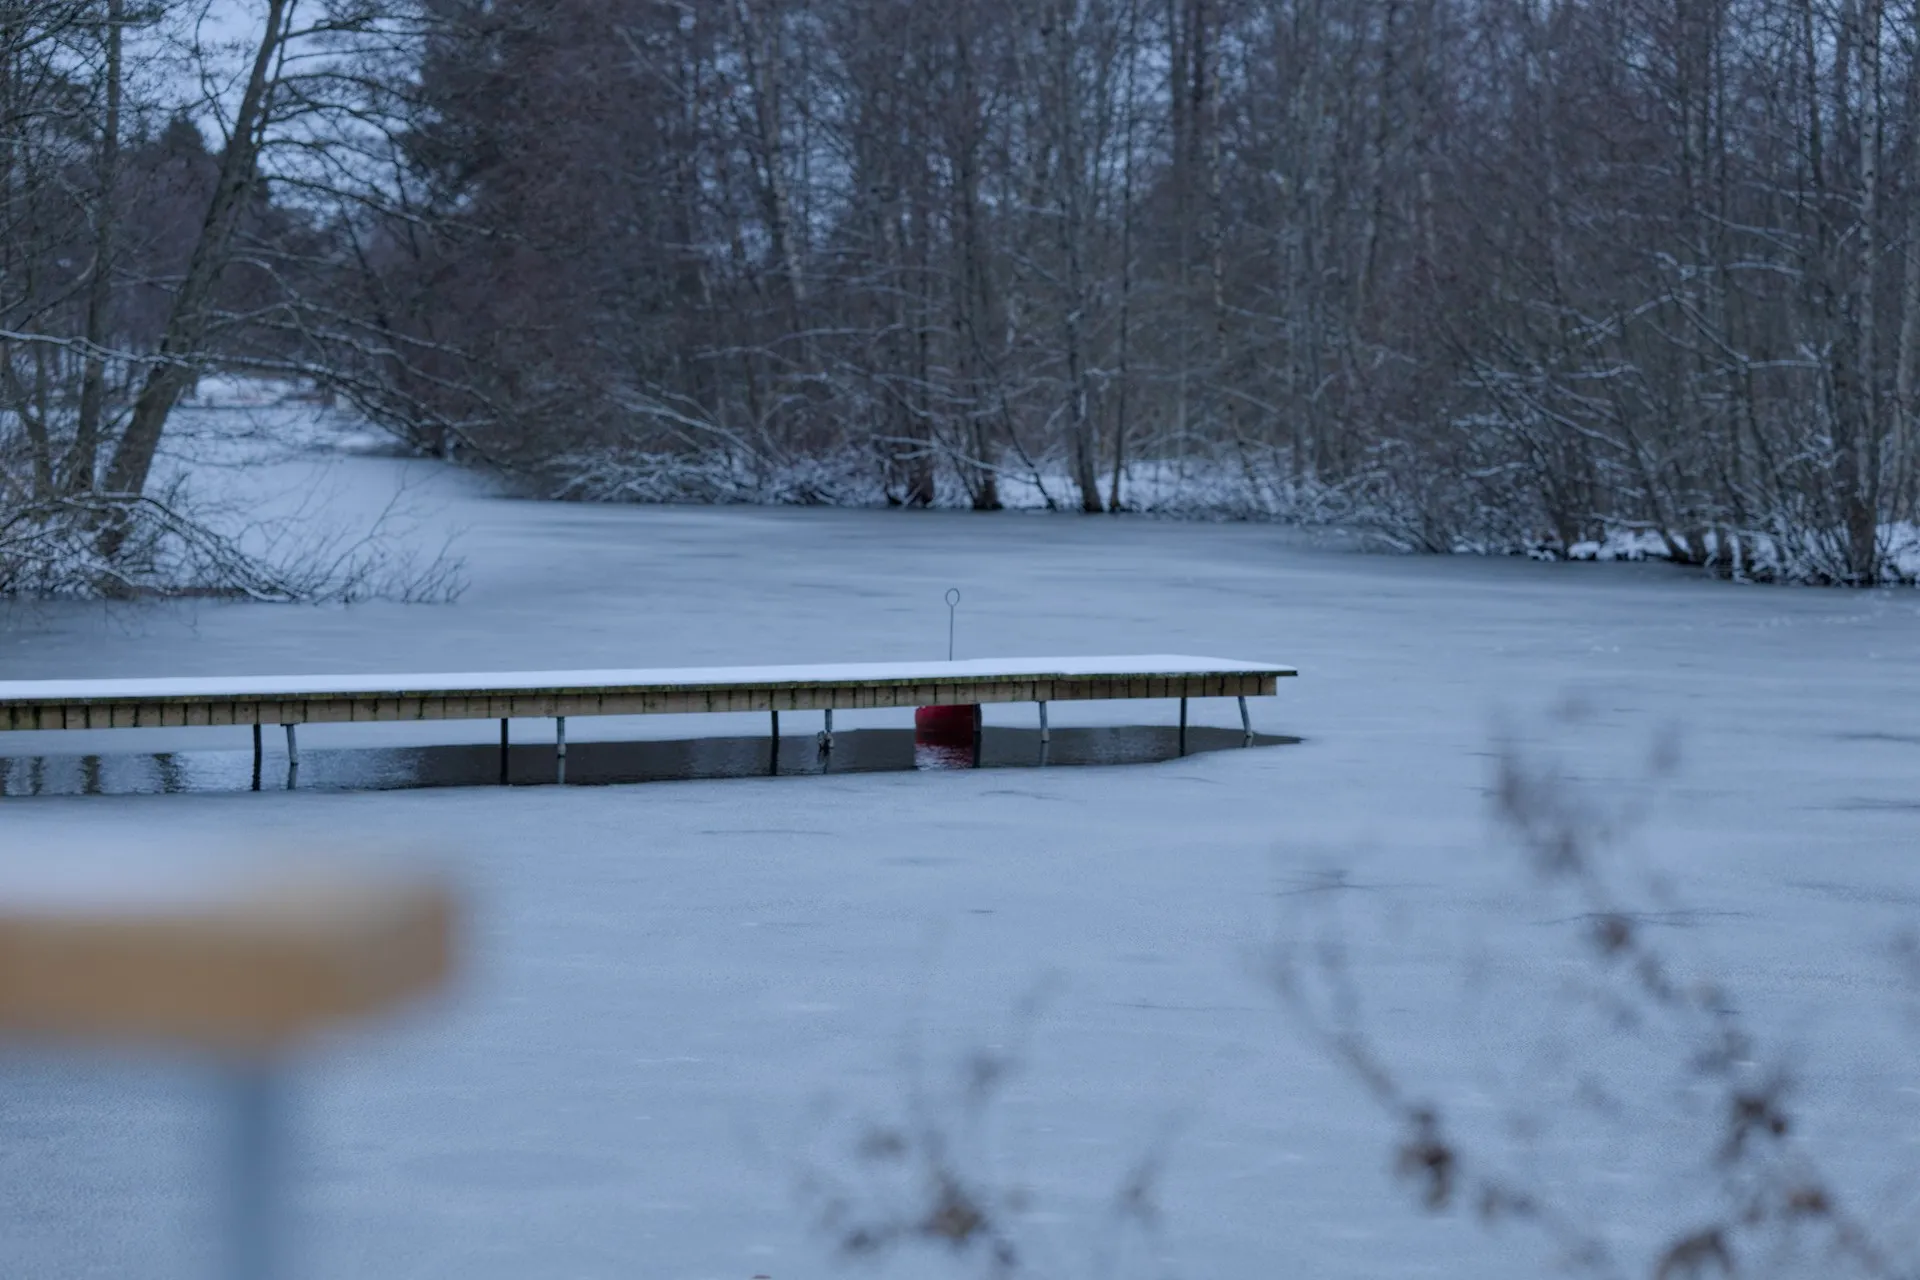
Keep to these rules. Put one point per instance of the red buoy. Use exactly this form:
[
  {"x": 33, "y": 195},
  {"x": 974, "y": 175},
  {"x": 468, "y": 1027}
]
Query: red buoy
[
  {"x": 945, "y": 724},
  {"x": 943, "y": 737}
]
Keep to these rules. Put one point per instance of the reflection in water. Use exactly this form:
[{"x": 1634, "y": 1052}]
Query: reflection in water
[
  {"x": 935, "y": 754},
  {"x": 600, "y": 763}
]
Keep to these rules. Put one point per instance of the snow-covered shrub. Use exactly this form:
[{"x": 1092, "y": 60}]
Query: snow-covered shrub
[{"x": 94, "y": 545}]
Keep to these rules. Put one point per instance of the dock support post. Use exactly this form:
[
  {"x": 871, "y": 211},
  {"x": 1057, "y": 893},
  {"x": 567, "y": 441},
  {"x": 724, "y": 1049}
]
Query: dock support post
[
  {"x": 826, "y": 734},
  {"x": 1246, "y": 721},
  {"x": 1183, "y": 726},
  {"x": 776, "y": 726},
  {"x": 293, "y": 748},
  {"x": 258, "y": 755},
  {"x": 560, "y": 749},
  {"x": 1046, "y": 735},
  {"x": 503, "y": 751},
  {"x": 254, "y": 1170}
]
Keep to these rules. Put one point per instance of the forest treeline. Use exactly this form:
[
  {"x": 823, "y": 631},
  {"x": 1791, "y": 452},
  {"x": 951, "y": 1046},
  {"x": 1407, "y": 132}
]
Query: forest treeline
[{"x": 1497, "y": 274}]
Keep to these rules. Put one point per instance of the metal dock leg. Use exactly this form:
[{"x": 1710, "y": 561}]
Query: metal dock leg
[
  {"x": 776, "y": 726},
  {"x": 258, "y": 755},
  {"x": 1046, "y": 735},
  {"x": 560, "y": 749},
  {"x": 293, "y": 748},
  {"x": 254, "y": 1171},
  {"x": 1183, "y": 726},
  {"x": 826, "y": 734},
  {"x": 503, "y": 751},
  {"x": 1246, "y": 721}
]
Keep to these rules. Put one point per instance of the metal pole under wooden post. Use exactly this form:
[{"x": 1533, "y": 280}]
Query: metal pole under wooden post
[
  {"x": 243, "y": 973},
  {"x": 293, "y": 749},
  {"x": 560, "y": 749},
  {"x": 255, "y": 1169},
  {"x": 1045, "y": 734},
  {"x": 826, "y": 734},
  {"x": 1183, "y": 726},
  {"x": 503, "y": 751},
  {"x": 1246, "y": 720},
  {"x": 258, "y": 755}
]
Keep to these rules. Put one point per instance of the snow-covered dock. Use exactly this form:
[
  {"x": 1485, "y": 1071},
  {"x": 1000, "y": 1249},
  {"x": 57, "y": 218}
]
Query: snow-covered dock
[
  {"x": 556, "y": 695},
  {"x": 155, "y": 703}
]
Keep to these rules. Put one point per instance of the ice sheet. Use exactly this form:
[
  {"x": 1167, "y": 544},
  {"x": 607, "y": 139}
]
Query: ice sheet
[{"x": 687, "y": 998}]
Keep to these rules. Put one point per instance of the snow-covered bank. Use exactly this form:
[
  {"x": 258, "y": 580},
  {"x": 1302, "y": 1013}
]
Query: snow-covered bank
[
  {"x": 276, "y": 479},
  {"x": 1375, "y": 510}
]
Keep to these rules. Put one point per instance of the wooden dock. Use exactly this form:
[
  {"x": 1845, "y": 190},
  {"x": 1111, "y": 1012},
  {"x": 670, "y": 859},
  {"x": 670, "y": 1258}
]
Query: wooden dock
[
  {"x": 28, "y": 705},
  {"x": 289, "y": 701}
]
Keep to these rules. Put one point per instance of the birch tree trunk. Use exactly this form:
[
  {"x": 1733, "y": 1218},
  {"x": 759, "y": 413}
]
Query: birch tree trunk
[
  {"x": 182, "y": 345},
  {"x": 1907, "y": 354},
  {"x": 84, "y": 460}
]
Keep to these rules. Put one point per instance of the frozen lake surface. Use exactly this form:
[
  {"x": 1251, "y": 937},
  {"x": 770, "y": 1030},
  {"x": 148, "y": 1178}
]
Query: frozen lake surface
[{"x": 689, "y": 1001}]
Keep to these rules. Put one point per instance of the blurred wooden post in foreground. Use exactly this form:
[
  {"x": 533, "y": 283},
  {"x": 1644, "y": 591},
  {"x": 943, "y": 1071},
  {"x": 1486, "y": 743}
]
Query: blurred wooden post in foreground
[{"x": 243, "y": 973}]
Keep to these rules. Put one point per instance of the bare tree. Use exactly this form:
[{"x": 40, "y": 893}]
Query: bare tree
[{"x": 1564, "y": 278}]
